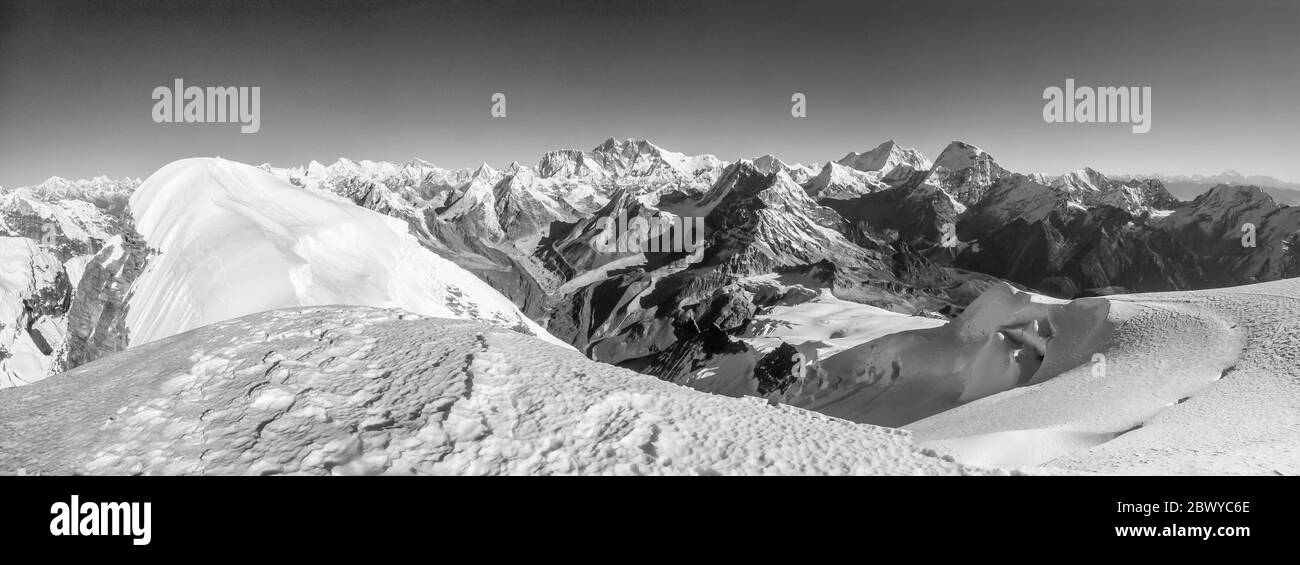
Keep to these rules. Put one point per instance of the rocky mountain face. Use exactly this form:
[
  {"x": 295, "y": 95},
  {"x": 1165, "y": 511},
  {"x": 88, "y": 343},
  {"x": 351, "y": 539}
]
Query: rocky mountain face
[
  {"x": 1239, "y": 233},
  {"x": 1085, "y": 234},
  {"x": 915, "y": 213},
  {"x": 857, "y": 174},
  {"x": 669, "y": 317},
  {"x": 965, "y": 172},
  {"x": 768, "y": 164},
  {"x": 97, "y": 316},
  {"x": 1071, "y": 252},
  {"x": 1076, "y": 234},
  {"x": 1090, "y": 188},
  {"x": 34, "y": 297}
]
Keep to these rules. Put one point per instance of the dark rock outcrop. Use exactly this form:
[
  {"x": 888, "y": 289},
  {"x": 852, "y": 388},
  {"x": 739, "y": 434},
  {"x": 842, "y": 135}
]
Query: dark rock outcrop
[{"x": 97, "y": 318}]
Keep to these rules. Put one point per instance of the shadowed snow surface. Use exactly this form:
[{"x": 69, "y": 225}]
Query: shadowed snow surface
[{"x": 357, "y": 390}]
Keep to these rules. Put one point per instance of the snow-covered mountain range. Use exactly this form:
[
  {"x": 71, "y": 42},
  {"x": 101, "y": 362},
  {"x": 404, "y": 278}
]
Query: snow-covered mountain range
[
  {"x": 881, "y": 287},
  {"x": 1187, "y": 187}
]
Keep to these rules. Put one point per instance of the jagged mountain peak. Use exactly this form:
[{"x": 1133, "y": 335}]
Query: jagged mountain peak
[
  {"x": 770, "y": 163},
  {"x": 783, "y": 188},
  {"x": 800, "y": 173},
  {"x": 965, "y": 171},
  {"x": 885, "y": 157},
  {"x": 571, "y": 163},
  {"x": 640, "y": 158},
  {"x": 760, "y": 220},
  {"x": 960, "y": 154}
]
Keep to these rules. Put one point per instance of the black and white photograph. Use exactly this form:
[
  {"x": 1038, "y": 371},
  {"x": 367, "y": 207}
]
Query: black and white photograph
[{"x": 1052, "y": 241}]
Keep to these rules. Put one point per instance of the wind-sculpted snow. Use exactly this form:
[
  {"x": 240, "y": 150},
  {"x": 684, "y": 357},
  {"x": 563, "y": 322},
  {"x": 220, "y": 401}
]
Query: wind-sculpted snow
[
  {"x": 1228, "y": 401},
  {"x": 355, "y": 390},
  {"x": 236, "y": 240},
  {"x": 1204, "y": 382}
]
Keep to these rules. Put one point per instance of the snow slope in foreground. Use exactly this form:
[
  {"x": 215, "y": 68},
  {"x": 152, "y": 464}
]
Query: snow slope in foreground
[
  {"x": 354, "y": 390},
  {"x": 236, "y": 240},
  {"x": 1204, "y": 382}
]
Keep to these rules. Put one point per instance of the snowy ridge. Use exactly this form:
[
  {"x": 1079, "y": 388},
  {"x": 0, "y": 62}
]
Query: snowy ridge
[{"x": 236, "y": 240}]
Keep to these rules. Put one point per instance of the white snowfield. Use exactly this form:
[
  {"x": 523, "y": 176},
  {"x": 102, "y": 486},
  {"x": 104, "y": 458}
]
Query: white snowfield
[
  {"x": 1204, "y": 382},
  {"x": 824, "y": 325},
  {"x": 235, "y": 240},
  {"x": 356, "y": 390}
]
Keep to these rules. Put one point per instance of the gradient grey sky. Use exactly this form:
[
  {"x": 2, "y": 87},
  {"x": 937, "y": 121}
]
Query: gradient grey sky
[{"x": 414, "y": 80}]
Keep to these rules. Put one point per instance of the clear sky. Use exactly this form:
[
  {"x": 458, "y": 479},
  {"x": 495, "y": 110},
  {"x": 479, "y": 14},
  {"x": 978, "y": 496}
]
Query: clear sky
[{"x": 415, "y": 80}]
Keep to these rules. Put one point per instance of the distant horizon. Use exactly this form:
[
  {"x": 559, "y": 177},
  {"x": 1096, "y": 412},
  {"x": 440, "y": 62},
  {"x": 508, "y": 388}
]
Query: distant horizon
[
  {"x": 405, "y": 79},
  {"x": 533, "y": 163}
]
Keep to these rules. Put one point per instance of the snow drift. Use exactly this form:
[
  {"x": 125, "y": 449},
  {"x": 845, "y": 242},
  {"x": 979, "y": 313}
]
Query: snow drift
[
  {"x": 1204, "y": 382},
  {"x": 356, "y": 390},
  {"x": 235, "y": 240}
]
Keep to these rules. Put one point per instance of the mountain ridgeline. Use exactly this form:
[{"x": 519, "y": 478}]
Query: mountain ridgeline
[{"x": 887, "y": 228}]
